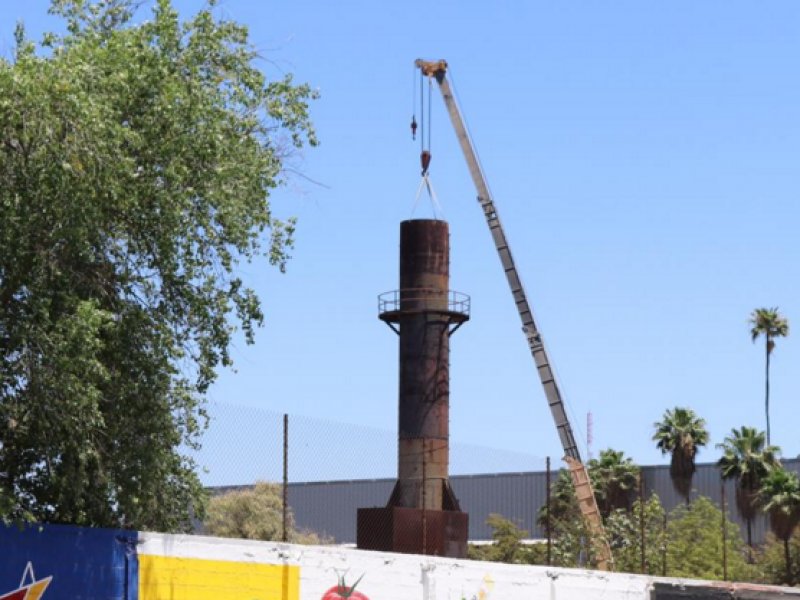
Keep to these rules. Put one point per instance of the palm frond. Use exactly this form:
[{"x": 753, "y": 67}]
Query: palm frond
[
  {"x": 780, "y": 498},
  {"x": 747, "y": 459},
  {"x": 768, "y": 322}
]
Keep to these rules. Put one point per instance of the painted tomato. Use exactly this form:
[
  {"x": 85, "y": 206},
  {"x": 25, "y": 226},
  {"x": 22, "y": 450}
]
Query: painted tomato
[
  {"x": 342, "y": 591},
  {"x": 337, "y": 592}
]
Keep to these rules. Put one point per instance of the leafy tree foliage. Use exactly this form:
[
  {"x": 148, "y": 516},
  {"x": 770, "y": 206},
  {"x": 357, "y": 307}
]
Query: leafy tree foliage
[
  {"x": 572, "y": 545},
  {"x": 689, "y": 543},
  {"x": 254, "y": 514},
  {"x": 768, "y": 322},
  {"x": 771, "y": 561},
  {"x": 747, "y": 458},
  {"x": 780, "y": 499},
  {"x": 691, "y": 546},
  {"x": 507, "y": 538},
  {"x": 563, "y": 503},
  {"x": 136, "y": 162},
  {"x": 681, "y": 433},
  {"x": 507, "y": 546},
  {"x": 624, "y": 532},
  {"x": 695, "y": 544},
  {"x": 571, "y": 537},
  {"x": 614, "y": 479}
]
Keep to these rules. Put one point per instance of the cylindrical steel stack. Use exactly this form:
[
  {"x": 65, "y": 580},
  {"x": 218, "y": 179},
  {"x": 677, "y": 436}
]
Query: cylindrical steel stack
[
  {"x": 424, "y": 407},
  {"x": 422, "y": 515}
]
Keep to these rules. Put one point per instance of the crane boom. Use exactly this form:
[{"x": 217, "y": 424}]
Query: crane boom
[
  {"x": 583, "y": 488},
  {"x": 534, "y": 337}
]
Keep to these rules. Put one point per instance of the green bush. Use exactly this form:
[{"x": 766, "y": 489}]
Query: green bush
[{"x": 254, "y": 514}]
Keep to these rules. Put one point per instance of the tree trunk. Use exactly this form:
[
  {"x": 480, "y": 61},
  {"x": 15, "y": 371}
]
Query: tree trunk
[
  {"x": 750, "y": 535},
  {"x": 766, "y": 402},
  {"x": 788, "y": 556}
]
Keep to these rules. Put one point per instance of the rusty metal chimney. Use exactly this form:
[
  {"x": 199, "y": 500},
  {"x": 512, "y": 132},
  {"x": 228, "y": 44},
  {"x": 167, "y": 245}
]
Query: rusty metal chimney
[{"x": 423, "y": 515}]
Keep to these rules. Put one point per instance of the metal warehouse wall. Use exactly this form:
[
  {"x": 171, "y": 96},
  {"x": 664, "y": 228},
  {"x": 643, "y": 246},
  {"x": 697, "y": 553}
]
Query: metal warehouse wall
[{"x": 329, "y": 508}]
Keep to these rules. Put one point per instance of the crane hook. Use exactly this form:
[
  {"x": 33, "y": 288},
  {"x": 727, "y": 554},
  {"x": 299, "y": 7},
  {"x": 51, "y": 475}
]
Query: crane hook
[{"x": 413, "y": 127}]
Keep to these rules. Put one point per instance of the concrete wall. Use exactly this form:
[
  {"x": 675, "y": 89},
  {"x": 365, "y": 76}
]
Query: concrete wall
[
  {"x": 217, "y": 566},
  {"x": 54, "y": 562},
  {"x": 59, "y": 562}
]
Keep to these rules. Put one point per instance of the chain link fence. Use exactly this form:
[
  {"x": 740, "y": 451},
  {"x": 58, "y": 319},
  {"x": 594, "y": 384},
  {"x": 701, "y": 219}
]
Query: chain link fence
[
  {"x": 333, "y": 469},
  {"x": 308, "y": 478}
]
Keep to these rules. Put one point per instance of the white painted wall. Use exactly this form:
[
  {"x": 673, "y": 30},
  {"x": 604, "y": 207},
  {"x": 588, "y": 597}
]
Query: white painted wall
[{"x": 405, "y": 577}]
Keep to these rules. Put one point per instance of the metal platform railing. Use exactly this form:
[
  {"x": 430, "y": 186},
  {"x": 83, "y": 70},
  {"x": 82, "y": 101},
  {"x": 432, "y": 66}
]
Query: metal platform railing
[{"x": 424, "y": 299}]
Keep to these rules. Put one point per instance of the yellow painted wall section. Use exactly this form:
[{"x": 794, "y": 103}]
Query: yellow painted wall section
[{"x": 167, "y": 578}]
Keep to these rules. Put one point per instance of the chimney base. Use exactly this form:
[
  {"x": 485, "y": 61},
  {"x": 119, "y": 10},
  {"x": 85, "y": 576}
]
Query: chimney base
[{"x": 396, "y": 529}]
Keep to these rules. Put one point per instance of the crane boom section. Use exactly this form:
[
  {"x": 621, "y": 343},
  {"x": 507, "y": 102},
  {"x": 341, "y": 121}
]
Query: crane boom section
[{"x": 534, "y": 337}]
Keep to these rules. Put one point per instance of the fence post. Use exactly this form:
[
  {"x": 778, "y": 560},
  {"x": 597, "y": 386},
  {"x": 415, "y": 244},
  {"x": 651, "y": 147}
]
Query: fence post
[
  {"x": 664, "y": 542},
  {"x": 548, "y": 522},
  {"x": 424, "y": 496},
  {"x": 724, "y": 535},
  {"x": 285, "y": 477},
  {"x": 641, "y": 521}
]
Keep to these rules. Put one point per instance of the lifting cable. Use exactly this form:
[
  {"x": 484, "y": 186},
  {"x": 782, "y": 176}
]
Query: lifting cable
[
  {"x": 421, "y": 112},
  {"x": 425, "y": 152},
  {"x": 430, "y": 112},
  {"x": 435, "y": 204},
  {"x": 414, "y": 104}
]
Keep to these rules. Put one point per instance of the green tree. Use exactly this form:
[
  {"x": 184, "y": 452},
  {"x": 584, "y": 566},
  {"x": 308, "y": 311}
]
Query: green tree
[
  {"x": 507, "y": 538},
  {"x": 507, "y": 544},
  {"x": 614, "y": 479},
  {"x": 770, "y": 560},
  {"x": 624, "y": 532},
  {"x": 748, "y": 459},
  {"x": 136, "y": 160},
  {"x": 681, "y": 433},
  {"x": 563, "y": 501},
  {"x": 780, "y": 499},
  {"x": 253, "y": 514},
  {"x": 769, "y": 323},
  {"x": 571, "y": 538},
  {"x": 695, "y": 544}
]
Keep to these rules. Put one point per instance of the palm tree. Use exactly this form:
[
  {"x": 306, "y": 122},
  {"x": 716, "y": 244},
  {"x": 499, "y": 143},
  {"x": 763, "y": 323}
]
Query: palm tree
[
  {"x": 681, "y": 433},
  {"x": 769, "y": 323},
  {"x": 780, "y": 498},
  {"x": 748, "y": 459},
  {"x": 614, "y": 479}
]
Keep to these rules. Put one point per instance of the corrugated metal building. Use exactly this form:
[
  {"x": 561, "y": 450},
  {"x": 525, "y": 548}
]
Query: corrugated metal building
[{"x": 329, "y": 508}]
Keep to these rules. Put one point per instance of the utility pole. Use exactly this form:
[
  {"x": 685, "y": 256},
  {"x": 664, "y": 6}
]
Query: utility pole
[
  {"x": 724, "y": 535},
  {"x": 549, "y": 522},
  {"x": 641, "y": 521},
  {"x": 285, "y": 478}
]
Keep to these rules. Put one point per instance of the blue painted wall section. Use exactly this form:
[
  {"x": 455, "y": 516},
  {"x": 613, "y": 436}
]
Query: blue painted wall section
[{"x": 85, "y": 564}]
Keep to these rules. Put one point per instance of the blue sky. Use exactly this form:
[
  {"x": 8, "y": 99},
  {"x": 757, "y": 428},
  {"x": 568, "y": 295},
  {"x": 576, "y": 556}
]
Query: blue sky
[{"x": 644, "y": 158}]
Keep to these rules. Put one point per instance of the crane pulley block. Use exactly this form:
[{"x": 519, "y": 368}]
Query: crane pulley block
[
  {"x": 436, "y": 68},
  {"x": 425, "y": 161}
]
